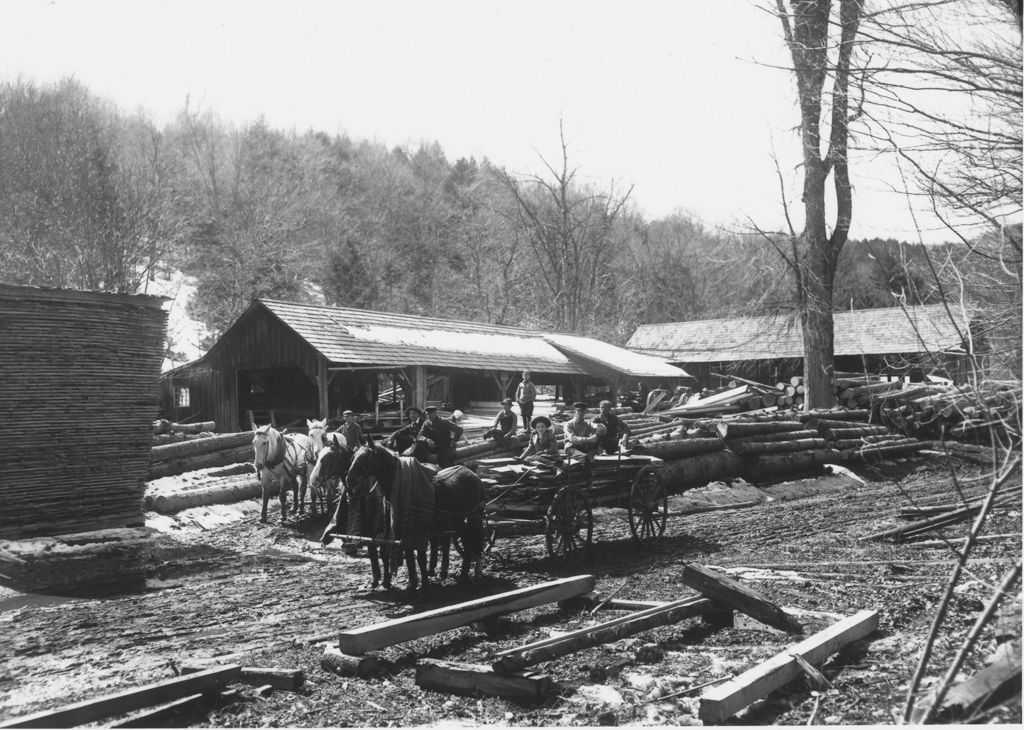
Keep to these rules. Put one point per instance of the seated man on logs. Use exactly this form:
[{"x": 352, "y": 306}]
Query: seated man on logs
[
  {"x": 504, "y": 427},
  {"x": 617, "y": 430},
  {"x": 543, "y": 448},
  {"x": 405, "y": 437},
  {"x": 440, "y": 435},
  {"x": 582, "y": 436}
]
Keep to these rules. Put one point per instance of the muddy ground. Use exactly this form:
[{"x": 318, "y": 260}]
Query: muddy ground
[{"x": 226, "y": 588}]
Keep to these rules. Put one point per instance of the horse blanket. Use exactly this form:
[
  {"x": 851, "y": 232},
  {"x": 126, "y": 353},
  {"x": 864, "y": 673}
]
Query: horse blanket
[{"x": 412, "y": 504}]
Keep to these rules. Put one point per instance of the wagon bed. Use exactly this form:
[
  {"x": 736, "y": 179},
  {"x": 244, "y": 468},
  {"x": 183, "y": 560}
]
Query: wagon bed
[{"x": 558, "y": 502}]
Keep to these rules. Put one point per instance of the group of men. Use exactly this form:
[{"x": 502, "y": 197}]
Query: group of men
[{"x": 427, "y": 436}]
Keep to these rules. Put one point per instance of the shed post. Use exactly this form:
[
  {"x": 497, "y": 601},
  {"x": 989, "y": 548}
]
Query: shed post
[
  {"x": 419, "y": 386},
  {"x": 322, "y": 380}
]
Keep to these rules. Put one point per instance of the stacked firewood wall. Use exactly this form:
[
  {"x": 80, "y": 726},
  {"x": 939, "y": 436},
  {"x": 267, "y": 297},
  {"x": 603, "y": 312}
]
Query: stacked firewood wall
[{"x": 77, "y": 402}]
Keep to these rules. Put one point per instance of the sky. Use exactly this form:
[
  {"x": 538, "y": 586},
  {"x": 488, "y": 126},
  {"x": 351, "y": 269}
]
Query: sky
[{"x": 682, "y": 100}]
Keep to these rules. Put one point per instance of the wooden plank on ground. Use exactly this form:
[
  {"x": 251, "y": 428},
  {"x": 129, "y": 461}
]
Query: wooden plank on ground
[
  {"x": 418, "y": 625},
  {"x": 472, "y": 680},
  {"x": 724, "y": 701},
  {"x": 735, "y": 595},
  {"x": 287, "y": 679},
  {"x": 154, "y": 716},
  {"x": 513, "y": 660},
  {"x": 987, "y": 688},
  {"x": 167, "y": 690}
]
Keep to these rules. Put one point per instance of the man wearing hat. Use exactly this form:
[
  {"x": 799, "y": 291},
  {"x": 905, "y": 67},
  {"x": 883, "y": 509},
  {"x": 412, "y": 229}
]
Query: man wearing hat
[
  {"x": 504, "y": 423},
  {"x": 406, "y": 436},
  {"x": 617, "y": 430},
  {"x": 580, "y": 434},
  {"x": 542, "y": 449},
  {"x": 441, "y": 435},
  {"x": 351, "y": 431}
]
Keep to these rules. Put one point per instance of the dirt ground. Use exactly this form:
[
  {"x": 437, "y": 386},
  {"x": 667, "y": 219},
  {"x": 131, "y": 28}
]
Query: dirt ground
[{"x": 226, "y": 588}]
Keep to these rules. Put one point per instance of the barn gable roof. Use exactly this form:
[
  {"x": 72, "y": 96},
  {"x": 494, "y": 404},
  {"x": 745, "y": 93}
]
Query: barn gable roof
[
  {"x": 891, "y": 330},
  {"x": 343, "y": 335}
]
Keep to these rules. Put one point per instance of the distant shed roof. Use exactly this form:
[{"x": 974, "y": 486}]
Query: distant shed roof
[
  {"x": 883, "y": 331},
  {"x": 344, "y": 335}
]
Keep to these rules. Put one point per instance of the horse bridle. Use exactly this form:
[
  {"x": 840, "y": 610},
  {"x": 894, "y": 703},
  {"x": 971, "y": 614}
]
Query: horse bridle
[{"x": 281, "y": 451}]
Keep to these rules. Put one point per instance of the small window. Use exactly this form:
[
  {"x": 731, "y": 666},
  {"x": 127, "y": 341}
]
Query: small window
[{"x": 181, "y": 396}]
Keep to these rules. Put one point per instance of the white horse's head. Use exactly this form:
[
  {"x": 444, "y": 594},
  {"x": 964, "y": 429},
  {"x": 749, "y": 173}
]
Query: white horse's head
[
  {"x": 316, "y": 430},
  {"x": 267, "y": 443}
]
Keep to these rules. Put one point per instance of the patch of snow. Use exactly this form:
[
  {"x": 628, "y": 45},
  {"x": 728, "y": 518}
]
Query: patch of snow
[{"x": 184, "y": 332}]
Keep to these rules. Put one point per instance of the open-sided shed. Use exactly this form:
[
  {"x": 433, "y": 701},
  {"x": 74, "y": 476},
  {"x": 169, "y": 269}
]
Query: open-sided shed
[
  {"x": 891, "y": 340},
  {"x": 307, "y": 361}
]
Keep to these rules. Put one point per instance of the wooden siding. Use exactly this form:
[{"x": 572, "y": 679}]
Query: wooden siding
[
  {"x": 257, "y": 341},
  {"x": 77, "y": 401}
]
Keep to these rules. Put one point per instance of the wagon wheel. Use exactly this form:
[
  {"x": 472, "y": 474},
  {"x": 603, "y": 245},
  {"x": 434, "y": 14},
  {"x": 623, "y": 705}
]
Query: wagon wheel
[
  {"x": 569, "y": 524},
  {"x": 648, "y": 507}
]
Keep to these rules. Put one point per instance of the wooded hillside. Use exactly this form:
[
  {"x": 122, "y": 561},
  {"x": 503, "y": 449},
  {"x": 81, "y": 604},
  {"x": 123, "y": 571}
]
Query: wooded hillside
[{"x": 95, "y": 198}]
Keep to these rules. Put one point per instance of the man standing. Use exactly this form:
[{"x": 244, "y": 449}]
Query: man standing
[
  {"x": 526, "y": 394},
  {"x": 617, "y": 431},
  {"x": 441, "y": 436},
  {"x": 351, "y": 431}
]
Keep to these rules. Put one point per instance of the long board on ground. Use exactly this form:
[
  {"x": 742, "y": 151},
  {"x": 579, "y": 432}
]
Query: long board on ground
[
  {"x": 735, "y": 595},
  {"x": 725, "y": 700},
  {"x": 418, "y": 625},
  {"x": 168, "y": 690}
]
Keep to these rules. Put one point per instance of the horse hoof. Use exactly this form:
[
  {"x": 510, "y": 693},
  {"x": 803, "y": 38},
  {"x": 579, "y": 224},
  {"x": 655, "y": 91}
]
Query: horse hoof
[
  {"x": 387, "y": 585},
  {"x": 463, "y": 580},
  {"x": 327, "y": 539}
]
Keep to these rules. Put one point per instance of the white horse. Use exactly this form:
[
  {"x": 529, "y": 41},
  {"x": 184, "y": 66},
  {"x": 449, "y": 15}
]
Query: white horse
[{"x": 282, "y": 460}]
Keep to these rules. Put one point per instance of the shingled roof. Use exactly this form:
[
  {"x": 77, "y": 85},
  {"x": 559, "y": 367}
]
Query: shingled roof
[
  {"x": 884, "y": 331},
  {"x": 349, "y": 336}
]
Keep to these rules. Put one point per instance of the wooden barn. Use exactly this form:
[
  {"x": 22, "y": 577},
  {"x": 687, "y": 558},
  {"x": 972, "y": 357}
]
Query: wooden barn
[
  {"x": 77, "y": 401},
  {"x": 889, "y": 341},
  {"x": 282, "y": 362}
]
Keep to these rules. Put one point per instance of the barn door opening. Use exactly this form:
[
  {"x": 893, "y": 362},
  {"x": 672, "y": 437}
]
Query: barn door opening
[{"x": 282, "y": 397}]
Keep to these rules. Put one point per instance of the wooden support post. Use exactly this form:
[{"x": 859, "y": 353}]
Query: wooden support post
[
  {"x": 731, "y": 593},
  {"x": 473, "y": 680},
  {"x": 722, "y": 702},
  {"x": 541, "y": 651},
  {"x": 168, "y": 690},
  {"x": 419, "y": 386},
  {"x": 415, "y": 626},
  {"x": 322, "y": 382}
]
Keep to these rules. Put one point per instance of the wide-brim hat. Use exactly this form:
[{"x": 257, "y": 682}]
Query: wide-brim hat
[
  {"x": 413, "y": 409},
  {"x": 579, "y": 405},
  {"x": 540, "y": 419},
  {"x": 430, "y": 409}
]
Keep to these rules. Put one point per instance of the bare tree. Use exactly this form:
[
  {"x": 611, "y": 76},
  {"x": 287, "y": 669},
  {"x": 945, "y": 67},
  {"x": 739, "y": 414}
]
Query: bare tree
[
  {"x": 820, "y": 58},
  {"x": 570, "y": 230}
]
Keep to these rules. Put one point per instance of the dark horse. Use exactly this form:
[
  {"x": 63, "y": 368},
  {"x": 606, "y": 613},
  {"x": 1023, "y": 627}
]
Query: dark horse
[
  {"x": 423, "y": 505},
  {"x": 366, "y": 515}
]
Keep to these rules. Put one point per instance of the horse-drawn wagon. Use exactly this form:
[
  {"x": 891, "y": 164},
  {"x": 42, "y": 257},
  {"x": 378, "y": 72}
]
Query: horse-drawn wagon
[{"x": 558, "y": 501}]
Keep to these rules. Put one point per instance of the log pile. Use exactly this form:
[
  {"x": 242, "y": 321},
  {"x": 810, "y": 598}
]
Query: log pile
[
  {"x": 78, "y": 398},
  {"x": 200, "y": 453},
  {"x": 988, "y": 413},
  {"x": 202, "y": 488}
]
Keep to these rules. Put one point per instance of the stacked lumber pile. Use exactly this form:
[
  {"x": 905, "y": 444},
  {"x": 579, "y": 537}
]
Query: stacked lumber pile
[
  {"x": 200, "y": 453},
  {"x": 77, "y": 403}
]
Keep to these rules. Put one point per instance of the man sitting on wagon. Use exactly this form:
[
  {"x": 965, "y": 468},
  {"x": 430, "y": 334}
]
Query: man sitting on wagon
[
  {"x": 617, "y": 431},
  {"x": 543, "y": 448},
  {"x": 582, "y": 436}
]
